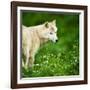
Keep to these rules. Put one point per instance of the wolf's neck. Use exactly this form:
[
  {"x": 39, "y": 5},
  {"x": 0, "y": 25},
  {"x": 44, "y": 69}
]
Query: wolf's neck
[{"x": 43, "y": 41}]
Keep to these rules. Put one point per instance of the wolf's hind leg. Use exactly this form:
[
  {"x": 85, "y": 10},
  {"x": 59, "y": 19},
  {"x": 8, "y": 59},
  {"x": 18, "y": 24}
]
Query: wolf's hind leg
[{"x": 27, "y": 58}]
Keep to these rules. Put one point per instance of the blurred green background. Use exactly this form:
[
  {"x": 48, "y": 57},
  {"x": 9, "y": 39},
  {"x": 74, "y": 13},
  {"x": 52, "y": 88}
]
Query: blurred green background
[{"x": 55, "y": 59}]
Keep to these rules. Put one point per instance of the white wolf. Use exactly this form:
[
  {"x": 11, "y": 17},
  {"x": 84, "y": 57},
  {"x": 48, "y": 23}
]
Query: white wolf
[{"x": 33, "y": 37}]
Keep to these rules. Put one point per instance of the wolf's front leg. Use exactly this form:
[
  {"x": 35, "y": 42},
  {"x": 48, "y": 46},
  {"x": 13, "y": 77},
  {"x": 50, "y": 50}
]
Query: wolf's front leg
[{"x": 31, "y": 61}]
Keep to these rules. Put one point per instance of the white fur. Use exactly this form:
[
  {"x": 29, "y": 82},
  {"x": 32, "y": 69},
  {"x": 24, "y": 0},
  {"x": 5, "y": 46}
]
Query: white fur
[{"x": 33, "y": 37}]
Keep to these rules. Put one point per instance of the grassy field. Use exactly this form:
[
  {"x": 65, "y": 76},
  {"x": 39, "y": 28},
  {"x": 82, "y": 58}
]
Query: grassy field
[{"x": 55, "y": 59}]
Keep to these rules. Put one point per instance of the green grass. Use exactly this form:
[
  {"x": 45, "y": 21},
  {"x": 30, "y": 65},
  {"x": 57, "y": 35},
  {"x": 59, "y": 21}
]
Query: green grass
[{"x": 55, "y": 59}]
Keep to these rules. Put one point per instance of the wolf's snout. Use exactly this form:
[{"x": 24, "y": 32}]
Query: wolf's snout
[{"x": 57, "y": 40}]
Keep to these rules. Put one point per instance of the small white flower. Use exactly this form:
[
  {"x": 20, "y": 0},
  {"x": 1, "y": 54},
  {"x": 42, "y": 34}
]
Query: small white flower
[
  {"x": 44, "y": 56},
  {"x": 75, "y": 60},
  {"x": 46, "y": 61},
  {"x": 34, "y": 71},
  {"x": 37, "y": 64}
]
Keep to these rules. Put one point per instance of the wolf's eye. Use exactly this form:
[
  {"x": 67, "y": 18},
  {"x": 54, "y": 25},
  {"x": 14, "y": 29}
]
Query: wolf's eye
[{"x": 51, "y": 33}]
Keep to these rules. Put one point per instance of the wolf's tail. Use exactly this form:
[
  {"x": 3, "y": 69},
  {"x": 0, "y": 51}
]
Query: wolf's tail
[{"x": 23, "y": 27}]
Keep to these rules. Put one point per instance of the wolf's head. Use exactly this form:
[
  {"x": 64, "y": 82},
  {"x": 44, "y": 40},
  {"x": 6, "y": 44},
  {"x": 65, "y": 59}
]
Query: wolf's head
[{"x": 50, "y": 31}]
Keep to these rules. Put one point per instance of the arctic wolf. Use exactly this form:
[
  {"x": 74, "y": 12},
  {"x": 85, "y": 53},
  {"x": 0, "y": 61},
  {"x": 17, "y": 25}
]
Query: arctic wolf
[{"x": 33, "y": 37}]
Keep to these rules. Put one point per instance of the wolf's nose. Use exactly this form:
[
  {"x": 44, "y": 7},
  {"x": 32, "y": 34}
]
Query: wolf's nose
[{"x": 57, "y": 40}]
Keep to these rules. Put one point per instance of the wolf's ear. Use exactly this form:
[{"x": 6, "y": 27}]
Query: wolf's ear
[
  {"x": 54, "y": 21},
  {"x": 46, "y": 24}
]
